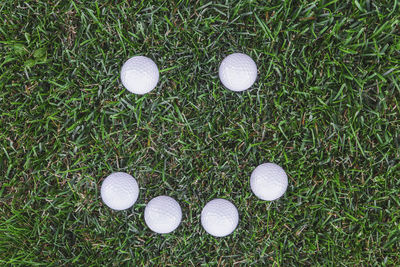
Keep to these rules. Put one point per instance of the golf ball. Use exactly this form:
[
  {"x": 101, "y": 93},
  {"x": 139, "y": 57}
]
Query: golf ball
[
  {"x": 219, "y": 217},
  {"x": 139, "y": 75},
  {"x": 163, "y": 214},
  {"x": 119, "y": 191},
  {"x": 238, "y": 72},
  {"x": 268, "y": 181}
]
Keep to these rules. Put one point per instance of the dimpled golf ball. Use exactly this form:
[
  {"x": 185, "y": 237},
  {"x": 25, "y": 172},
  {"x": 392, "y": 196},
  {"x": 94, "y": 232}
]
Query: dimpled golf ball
[
  {"x": 139, "y": 75},
  {"x": 219, "y": 217},
  {"x": 268, "y": 181},
  {"x": 163, "y": 214},
  {"x": 238, "y": 72},
  {"x": 119, "y": 191}
]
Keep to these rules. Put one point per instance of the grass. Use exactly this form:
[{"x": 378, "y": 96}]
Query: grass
[{"x": 325, "y": 107}]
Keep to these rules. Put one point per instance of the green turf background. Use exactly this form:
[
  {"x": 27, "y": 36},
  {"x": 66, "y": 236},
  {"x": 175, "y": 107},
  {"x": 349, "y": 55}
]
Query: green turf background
[{"x": 325, "y": 107}]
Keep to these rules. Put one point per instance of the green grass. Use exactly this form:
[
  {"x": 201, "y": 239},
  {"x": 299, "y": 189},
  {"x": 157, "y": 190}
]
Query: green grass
[{"x": 325, "y": 107}]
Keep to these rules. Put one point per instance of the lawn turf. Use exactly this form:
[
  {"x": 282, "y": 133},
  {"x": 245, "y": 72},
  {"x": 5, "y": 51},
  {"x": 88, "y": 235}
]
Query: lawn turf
[{"x": 325, "y": 107}]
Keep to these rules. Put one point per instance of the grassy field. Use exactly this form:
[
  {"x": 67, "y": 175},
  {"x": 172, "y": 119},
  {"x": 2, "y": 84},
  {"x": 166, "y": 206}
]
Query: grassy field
[{"x": 325, "y": 107}]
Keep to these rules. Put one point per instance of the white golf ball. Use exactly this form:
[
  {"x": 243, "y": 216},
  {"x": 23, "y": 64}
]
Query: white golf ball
[
  {"x": 219, "y": 217},
  {"x": 238, "y": 72},
  {"x": 268, "y": 181},
  {"x": 139, "y": 75},
  {"x": 163, "y": 214},
  {"x": 119, "y": 191}
]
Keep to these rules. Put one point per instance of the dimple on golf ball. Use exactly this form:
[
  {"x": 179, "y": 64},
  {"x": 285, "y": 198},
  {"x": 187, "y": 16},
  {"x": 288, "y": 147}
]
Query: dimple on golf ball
[
  {"x": 139, "y": 75},
  {"x": 219, "y": 217},
  {"x": 163, "y": 214},
  {"x": 119, "y": 191},
  {"x": 238, "y": 72},
  {"x": 268, "y": 181}
]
